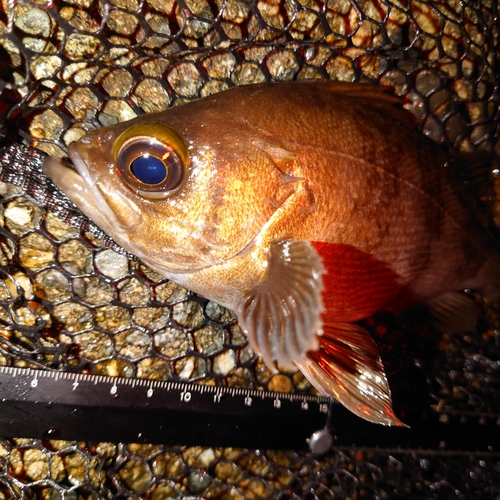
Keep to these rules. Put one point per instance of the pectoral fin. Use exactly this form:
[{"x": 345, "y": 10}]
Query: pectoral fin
[
  {"x": 282, "y": 318},
  {"x": 281, "y": 315},
  {"x": 347, "y": 366}
]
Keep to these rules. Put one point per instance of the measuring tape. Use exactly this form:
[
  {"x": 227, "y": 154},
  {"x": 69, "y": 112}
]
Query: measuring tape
[{"x": 72, "y": 406}]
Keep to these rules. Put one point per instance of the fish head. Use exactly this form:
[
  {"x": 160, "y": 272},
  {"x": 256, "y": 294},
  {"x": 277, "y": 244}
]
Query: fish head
[{"x": 183, "y": 190}]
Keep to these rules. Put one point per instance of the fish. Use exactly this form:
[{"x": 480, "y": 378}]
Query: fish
[{"x": 304, "y": 207}]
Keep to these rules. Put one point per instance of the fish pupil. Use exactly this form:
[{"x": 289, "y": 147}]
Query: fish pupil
[{"x": 149, "y": 169}]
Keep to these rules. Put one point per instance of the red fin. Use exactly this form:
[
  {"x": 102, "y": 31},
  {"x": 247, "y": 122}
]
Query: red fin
[
  {"x": 356, "y": 284},
  {"x": 347, "y": 366}
]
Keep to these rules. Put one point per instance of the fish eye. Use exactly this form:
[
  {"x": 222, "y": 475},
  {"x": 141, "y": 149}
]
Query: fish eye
[{"x": 152, "y": 159}]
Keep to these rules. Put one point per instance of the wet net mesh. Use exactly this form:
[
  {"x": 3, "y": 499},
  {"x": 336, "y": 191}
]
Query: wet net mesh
[{"x": 71, "y": 300}]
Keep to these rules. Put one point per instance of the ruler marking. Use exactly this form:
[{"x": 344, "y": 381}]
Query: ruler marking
[{"x": 29, "y": 376}]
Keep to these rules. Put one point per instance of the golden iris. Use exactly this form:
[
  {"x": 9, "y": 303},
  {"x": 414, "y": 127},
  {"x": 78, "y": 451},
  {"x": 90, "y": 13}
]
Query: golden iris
[{"x": 152, "y": 159}]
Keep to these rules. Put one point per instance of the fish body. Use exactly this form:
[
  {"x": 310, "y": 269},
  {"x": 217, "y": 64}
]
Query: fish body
[{"x": 304, "y": 207}]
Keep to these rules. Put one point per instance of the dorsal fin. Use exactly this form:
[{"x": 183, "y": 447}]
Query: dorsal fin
[
  {"x": 362, "y": 90},
  {"x": 374, "y": 97}
]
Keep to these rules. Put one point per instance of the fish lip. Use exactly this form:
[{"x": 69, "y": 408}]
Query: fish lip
[
  {"x": 79, "y": 165},
  {"x": 90, "y": 182},
  {"x": 74, "y": 179}
]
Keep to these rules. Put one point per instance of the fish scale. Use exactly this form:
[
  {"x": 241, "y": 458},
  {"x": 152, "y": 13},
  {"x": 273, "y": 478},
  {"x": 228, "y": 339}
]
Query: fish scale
[{"x": 368, "y": 223}]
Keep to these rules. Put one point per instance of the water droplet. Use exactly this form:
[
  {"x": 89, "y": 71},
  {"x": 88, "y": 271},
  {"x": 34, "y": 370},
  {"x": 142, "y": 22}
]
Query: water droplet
[{"x": 52, "y": 434}]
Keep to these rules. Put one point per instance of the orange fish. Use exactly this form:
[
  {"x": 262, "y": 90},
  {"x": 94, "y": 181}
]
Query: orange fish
[{"x": 304, "y": 207}]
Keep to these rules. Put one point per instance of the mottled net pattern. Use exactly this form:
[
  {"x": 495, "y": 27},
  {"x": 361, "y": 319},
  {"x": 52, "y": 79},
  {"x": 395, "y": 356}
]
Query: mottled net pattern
[{"x": 71, "y": 300}]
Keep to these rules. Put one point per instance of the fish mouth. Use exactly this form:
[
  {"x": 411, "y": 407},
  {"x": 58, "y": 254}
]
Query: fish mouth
[{"x": 76, "y": 181}]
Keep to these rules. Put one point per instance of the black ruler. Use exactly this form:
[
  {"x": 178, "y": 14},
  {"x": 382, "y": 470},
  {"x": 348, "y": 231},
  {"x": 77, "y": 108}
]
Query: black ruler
[{"x": 70, "y": 406}]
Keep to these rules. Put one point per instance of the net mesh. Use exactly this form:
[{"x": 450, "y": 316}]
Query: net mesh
[{"x": 72, "y": 300}]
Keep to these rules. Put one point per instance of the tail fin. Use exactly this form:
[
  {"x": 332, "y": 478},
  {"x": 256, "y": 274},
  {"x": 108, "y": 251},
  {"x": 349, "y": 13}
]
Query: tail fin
[{"x": 347, "y": 366}]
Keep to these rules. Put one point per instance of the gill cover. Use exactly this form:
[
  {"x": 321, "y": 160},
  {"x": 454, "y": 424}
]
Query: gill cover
[{"x": 152, "y": 159}]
